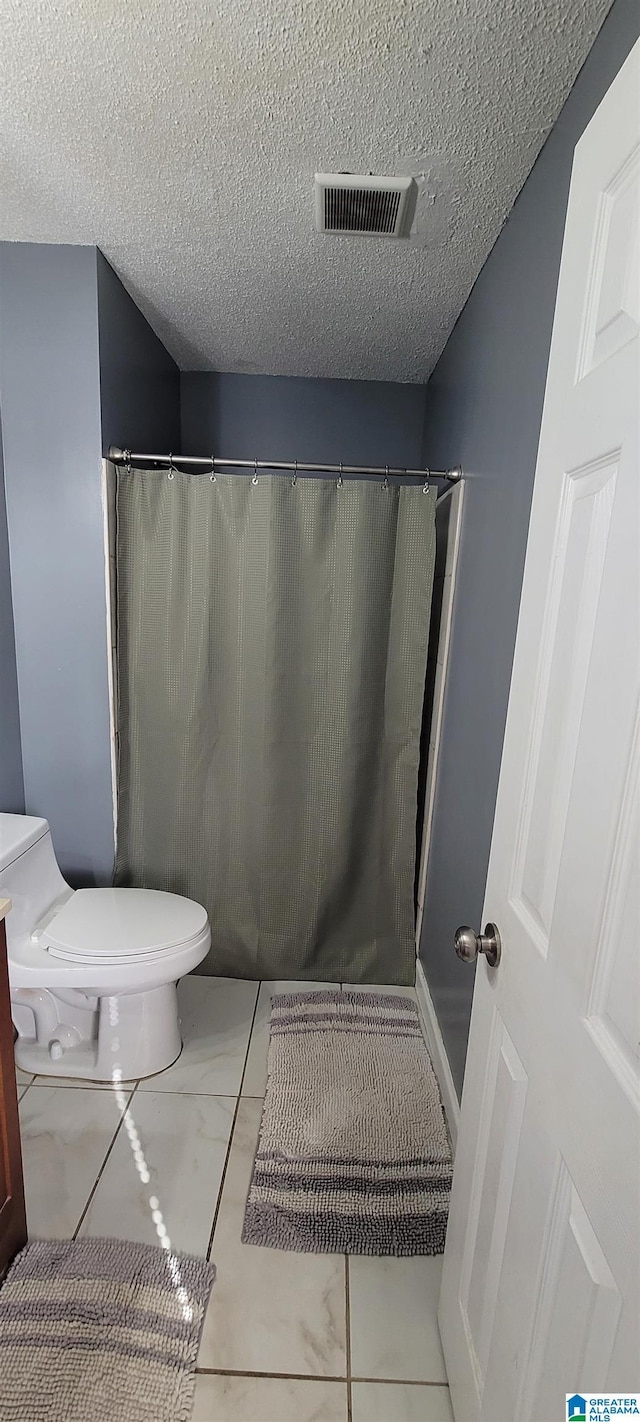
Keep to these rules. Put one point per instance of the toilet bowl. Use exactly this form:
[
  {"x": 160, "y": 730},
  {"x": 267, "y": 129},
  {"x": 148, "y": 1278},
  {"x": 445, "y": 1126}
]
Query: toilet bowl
[{"x": 92, "y": 972}]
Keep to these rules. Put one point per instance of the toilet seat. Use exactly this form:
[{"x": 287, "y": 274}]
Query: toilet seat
[{"x": 113, "y": 926}]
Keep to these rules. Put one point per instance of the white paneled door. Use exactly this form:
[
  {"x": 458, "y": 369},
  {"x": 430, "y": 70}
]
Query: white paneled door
[{"x": 542, "y": 1266}]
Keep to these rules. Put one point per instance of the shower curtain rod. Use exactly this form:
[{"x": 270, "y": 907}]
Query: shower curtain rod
[{"x": 125, "y": 456}]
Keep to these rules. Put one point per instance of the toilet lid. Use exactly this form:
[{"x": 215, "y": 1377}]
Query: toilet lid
[{"x": 122, "y": 925}]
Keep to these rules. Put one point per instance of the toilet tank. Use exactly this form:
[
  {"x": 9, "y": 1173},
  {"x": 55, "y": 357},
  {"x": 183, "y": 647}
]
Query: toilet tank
[{"x": 29, "y": 874}]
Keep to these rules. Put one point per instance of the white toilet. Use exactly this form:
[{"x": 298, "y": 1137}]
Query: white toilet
[{"x": 92, "y": 972}]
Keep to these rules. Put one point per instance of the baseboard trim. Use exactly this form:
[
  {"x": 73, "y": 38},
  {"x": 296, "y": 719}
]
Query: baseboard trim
[{"x": 435, "y": 1042}]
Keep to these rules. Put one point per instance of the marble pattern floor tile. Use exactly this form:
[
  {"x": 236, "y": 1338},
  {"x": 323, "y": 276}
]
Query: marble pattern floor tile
[
  {"x": 255, "y": 1077},
  {"x": 65, "y": 1138},
  {"x": 393, "y": 1311},
  {"x": 242, "y": 1399},
  {"x": 400, "y": 1402},
  {"x": 184, "y": 1141},
  {"x": 216, "y": 1016},
  {"x": 271, "y": 1310}
]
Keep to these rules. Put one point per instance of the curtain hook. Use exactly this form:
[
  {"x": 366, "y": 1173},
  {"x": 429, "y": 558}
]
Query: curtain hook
[
  {"x": 171, "y": 469},
  {"x": 255, "y": 472},
  {"x": 340, "y": 480},
  {"x": 295, "y": 475},
  {"x": 425, "y": 486},
  {"x": 385, "y": 481},
  {"x": 212, "y": 475}
]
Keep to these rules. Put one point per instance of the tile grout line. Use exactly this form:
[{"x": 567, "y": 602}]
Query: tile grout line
[
  {"x": 347, "y": 1312},
  {"x": 82, "y": 1083},
  {"x": 315, "y": 1377},
  {"x": 233, "y": 1127},
  {"x": 53, "y": 1081},
  {"x": 287, "y": 1377},
  {"x": 401, "y": 1382},
  {"x": 104, "y": 1163}
]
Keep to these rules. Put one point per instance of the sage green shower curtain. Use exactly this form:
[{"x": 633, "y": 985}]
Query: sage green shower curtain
[{"x": 271, "y": 661}]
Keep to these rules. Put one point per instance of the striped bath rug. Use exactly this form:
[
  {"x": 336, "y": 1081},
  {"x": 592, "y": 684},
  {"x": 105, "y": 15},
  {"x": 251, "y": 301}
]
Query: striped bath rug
[
  {"x": 353, "y": 1155},
  {"x": 100, "y": 1330}
]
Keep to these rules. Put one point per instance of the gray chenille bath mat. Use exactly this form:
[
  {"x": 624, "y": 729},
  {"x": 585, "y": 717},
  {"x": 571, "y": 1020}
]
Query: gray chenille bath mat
[
  {"x": 353, "y": 1155},
  {"x": 100, "y": 1330}
]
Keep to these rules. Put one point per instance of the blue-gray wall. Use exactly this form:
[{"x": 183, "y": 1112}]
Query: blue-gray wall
[
  {"x": 50, "y": 400},
  {"x": 11, "y": 785},
  {"x": 139, "y": 381},
  {"x": 80, "y": 368},
  {"x": 484, "y": 406},
  {"x": 283, "y": 418}
]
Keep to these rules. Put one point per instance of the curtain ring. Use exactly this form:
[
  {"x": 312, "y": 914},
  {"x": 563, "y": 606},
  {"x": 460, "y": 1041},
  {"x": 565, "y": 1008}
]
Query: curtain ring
[
  {"x": 385, "y": 481},
  {"x": 170, "y": 475},
  {"x": 255, "y": 472},
  {"x": 295, "y": 476},
  {"x": 127, "y": 459},
  {"x": 340, "y": 480},
  {"x": 425, "y": 486},
  {"x": 212, "y": 475}
]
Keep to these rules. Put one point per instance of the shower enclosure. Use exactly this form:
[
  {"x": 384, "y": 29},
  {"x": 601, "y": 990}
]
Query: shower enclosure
[{"x": 271, "y": 653}]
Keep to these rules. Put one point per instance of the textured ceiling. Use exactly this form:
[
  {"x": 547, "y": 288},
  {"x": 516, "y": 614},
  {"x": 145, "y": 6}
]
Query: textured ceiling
[{"x": 182, "y": 136}]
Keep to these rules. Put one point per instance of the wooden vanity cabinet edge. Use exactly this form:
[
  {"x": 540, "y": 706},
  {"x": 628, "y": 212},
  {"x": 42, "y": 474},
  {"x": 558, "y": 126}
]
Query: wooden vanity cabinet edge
[{"x": 13, "y": 1223}]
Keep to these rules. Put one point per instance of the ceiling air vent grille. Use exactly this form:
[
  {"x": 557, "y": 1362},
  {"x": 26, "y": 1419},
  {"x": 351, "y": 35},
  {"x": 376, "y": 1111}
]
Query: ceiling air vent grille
[{"x": 349, "y": 203}]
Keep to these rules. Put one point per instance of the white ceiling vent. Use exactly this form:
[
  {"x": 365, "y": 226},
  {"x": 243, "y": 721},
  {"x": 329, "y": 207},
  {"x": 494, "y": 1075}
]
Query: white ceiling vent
[{"x": 369, "y": 206}]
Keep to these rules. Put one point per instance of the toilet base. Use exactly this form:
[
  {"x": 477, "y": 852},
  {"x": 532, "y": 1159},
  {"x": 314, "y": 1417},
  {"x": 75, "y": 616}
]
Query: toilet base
[{"x": 116, "y": 1038}]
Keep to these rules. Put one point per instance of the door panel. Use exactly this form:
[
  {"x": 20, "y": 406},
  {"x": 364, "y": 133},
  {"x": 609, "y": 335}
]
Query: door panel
[
  {"x": 612, "y": 305},
  {"x": 497, "y": 1155},
  {"x": 613, "y": 1009},
  {"x": 565, "y": 650},
  {"x": 541, "y": 1276},
  {"x": 577, "y": 1307}
]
